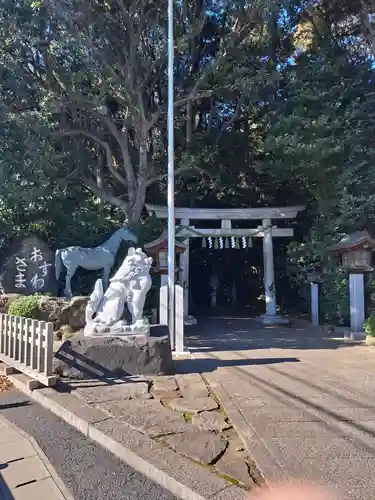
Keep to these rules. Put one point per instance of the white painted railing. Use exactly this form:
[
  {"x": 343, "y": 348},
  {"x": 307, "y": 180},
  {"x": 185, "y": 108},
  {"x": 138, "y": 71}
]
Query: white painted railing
[{"x": 27, "y": 345}]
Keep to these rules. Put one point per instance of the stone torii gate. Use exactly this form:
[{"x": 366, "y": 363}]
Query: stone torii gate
[{"x": 266, "y": 230}]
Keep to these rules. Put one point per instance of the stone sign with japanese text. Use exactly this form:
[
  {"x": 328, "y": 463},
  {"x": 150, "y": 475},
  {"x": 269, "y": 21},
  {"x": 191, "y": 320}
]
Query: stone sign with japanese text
[{"x": 27, "y": 267}]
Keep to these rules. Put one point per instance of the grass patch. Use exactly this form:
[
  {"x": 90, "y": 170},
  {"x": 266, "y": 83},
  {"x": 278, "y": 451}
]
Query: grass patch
[
  {"x": 221, "y": 408},
  {"x": 188, "y": 417},
  {"x": 231, "y": 480}
]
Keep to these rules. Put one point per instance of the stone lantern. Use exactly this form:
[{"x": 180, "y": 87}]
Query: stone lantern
[
  {"x": 314, "y": 277},
  {"x": 158, "y": 249},
  {"x": 355, "y": 251}
]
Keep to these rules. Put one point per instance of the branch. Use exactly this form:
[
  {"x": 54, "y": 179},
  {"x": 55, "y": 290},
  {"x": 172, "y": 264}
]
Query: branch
[
  {"x": 191, "y": 97},
  {"x": 193, "y": 94},
  {"x": 233, "y": 118},
  {"x": 105, "y": 195},
  {"x": 178, "y": 171},
  {"x": 160, "y": 63},
  {"x": 179, "y": 103},
  {"x": 122, "y": 140},
  {"x": 103, "y": 144}
]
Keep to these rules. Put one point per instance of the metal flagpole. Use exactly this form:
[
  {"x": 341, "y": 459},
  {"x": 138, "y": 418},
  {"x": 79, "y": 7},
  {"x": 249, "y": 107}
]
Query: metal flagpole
[{"x": 171, "y": 210}]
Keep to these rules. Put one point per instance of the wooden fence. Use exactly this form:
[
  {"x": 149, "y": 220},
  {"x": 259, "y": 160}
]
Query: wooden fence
[{"x": 27, "y": 345}]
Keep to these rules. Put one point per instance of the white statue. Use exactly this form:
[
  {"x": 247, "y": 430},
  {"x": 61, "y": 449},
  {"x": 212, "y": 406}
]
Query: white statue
[{"x": 129, "y": 285}]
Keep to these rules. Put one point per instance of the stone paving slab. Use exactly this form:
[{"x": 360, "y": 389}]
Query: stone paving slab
[
  {"x": 201, "y": 446},
  {"x": 253, "y": 442},
  {"x": 315, "y": 448},
  {"x": 26, "y": 473},
  {"x": 359, "y": 484},
  {"x": 7, "y": 434},
  {"x": 211, "y": 421},
  {"x": 180, "y": 468},
  {"x": 96, "y": 391},
  {"x": 304, "y": 430},
  {"x": 192, "y": 386},
  {"x": 164, "y": 384},
  {"x": 194, "y": 406},
  {"x": 313, "y": 420},
  {"x": 147, "y": 416},
  {"x": 15, "y": 450},
  {"x": 117, "y": 434},
  {"x": 45, "y": 489},
  {"x": 235, "y": 468},
  {"x": 330, "y": 387}
]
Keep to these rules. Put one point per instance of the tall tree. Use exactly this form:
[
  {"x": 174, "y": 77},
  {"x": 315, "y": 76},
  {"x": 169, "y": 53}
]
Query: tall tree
[{"x": 93, "y": 75}]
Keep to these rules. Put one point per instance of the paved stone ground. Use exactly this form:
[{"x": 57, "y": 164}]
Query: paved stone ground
[
  {"x": 87, "y": 470},
  {"x": 303, "y": 403},
  {"x": 25, "y": 471},
  {"x": 178, "y": 412},
  {"x": 190, "y": 448}
]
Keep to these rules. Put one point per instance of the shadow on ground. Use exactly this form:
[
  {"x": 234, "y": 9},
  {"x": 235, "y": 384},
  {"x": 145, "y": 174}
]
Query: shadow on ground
[
  {"x": 13, "y": 405},
  {"x": 328, "y": 417},
  {"x": 237, "y": 334},
  {"x": 209, "y": 364},
  {"x": 5, "y": 493}
]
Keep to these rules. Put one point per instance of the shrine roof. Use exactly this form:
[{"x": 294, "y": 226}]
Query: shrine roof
[
  {"x": 291, "y": 212},
  {"x": 161, "y": 241},
  {"x": 353, "y": 241}
]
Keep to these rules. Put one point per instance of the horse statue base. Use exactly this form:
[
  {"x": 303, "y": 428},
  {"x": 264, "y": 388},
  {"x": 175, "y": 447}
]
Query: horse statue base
[{"x": 139, "y": 329}]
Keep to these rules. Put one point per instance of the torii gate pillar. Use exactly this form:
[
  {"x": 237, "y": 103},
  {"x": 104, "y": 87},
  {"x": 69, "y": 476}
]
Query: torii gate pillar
[{"x": 271, "y": 317}]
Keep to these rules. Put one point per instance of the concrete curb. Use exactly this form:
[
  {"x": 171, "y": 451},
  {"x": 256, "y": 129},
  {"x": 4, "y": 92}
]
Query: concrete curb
[
  {"x": 47, "y": 464},
  {"x": 224, "y": 490}
]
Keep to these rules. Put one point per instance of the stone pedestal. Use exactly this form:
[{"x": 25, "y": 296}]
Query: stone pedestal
[
  {"x": 190, "y": 320},
  {"x": 120, "y": 329},
  {"x": 113, "y": 357},
  {"x": 357, "y": 305},
  {"x": 314, "y": 304},
  {"x": 276, "y": 319}
]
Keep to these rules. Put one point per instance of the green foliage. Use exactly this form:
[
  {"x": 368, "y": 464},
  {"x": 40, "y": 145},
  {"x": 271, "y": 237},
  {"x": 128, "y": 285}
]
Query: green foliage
[
  {"x": 150, "y": 228},
  {"x": 275, "y": 105},
  {"x": 369, "y": 326},
  {"x": 26, "y": 306},
  {"x": 334, "y": 303}
]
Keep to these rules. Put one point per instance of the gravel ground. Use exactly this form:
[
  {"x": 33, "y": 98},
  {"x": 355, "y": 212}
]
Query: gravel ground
[{"x": 89, "y": 471}]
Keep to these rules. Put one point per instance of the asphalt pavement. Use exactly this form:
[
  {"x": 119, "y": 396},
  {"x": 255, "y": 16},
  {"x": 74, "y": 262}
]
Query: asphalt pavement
[{"x": 87, "y": 470}]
